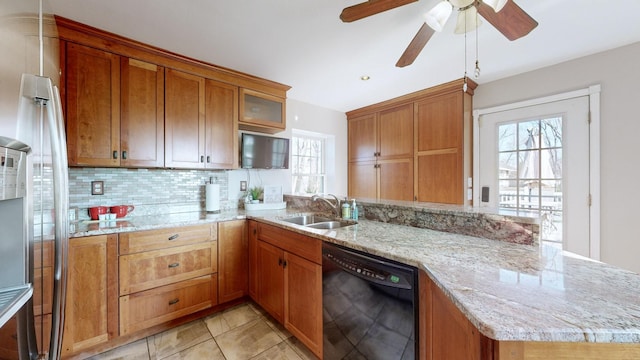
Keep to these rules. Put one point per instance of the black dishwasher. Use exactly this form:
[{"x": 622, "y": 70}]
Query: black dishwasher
[{"x": 370, "y": 306}]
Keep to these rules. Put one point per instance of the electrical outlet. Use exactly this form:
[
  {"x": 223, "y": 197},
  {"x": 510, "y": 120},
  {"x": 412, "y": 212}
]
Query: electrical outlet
[
  {"x": 243, "y": 185},
  {"x": 97, "y": 188}
]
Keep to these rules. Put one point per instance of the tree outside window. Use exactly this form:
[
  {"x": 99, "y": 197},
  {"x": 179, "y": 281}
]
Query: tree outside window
[{"x": 308, "y": 164}]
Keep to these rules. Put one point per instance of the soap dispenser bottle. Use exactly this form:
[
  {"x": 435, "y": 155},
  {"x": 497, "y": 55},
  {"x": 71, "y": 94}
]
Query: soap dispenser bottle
[
  {"x": 346, "y": 209},
  {"x": 354, "y": 209}
]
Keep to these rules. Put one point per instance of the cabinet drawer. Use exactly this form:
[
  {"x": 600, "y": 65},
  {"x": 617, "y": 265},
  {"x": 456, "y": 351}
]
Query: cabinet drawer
[
  {"x": 150, "y": 269},
  {"x": 148, "y": 308},
  {"x": 139, "y": 241},
  {"x": 301, "y": 245}
]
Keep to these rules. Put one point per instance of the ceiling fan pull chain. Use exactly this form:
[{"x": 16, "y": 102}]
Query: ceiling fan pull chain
[{"x": 477, "y": 70}]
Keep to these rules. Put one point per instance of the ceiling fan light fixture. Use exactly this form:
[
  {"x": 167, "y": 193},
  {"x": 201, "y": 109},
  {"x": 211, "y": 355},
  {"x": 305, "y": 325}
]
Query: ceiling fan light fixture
[
  {"x": 467, "y": 20},
  {"x": 496, "y": 5},
  {"x": 438, "y": 15}
]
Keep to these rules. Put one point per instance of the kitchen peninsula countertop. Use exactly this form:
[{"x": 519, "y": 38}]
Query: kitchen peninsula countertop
[{"x": 508, "y": 291}]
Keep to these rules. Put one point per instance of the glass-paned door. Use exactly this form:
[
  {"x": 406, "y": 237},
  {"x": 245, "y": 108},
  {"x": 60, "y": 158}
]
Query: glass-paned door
[{"x": 535, "y": 161}]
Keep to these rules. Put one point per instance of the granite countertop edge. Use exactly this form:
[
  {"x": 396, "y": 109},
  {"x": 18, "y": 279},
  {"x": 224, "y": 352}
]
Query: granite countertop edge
[{"x": 510, "y": 297}]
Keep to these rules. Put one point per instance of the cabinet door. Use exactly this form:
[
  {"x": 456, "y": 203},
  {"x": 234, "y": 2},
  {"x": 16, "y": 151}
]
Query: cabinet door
[
  {"x": 232, "y": 260},
  {"x": 92, "y": 106},
  {"x": 363, "y": 179},
  {"x": 261, "y": 112},
  {"x": 142, "y": 119},
  {"x": 252, "y": 234},
  {"x": 396, "y": 179},
  {"x": 92, "y": 301},
  {"x": 184, "y": 120},
  {"x": 303, "y": 301},
  {"x": 271, "y": 280},
  {"x": 440, "y": 178},
  {"x": 439, "y": 121},
  {"x": 221, "y": 123},
  {"x": 396, "y": 133},
  {"x": 363, "y": 141}
]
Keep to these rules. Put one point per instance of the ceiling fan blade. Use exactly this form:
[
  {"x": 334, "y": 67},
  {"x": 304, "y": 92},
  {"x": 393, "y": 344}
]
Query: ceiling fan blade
[
  {"x": 511, "y": 21},
  {"x": 371, "y": 7},
  {"x": 415, "y": 46}
]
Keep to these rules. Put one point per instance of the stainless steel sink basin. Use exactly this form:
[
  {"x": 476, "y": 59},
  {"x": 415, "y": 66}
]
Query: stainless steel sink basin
[
  {"x": 329, "y": 224},
  {"x": 317, "y": 222},
  {"x": 307, "y": 219}
]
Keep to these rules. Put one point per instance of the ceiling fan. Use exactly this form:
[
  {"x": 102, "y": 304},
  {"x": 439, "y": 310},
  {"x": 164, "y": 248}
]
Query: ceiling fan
[{"x": 505, "y": 15}]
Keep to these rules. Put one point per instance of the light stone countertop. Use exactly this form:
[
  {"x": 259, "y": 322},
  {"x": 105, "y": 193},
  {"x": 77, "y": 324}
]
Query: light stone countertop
[{"x": 508, "y": 291}]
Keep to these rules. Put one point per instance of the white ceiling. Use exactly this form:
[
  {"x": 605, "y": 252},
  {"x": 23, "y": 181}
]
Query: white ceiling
[{"x": 304, "y": 44}]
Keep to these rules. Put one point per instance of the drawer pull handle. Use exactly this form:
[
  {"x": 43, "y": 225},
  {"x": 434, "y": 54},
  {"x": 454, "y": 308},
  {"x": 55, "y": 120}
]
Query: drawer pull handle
[
  {"x": 174, "y": 301},
  {"x": 174, "y": 265},
  {"x": 173, "y": 237}
]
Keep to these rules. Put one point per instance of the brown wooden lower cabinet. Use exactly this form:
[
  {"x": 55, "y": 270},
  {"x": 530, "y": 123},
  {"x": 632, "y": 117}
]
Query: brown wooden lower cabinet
[
  {"x": 448, "y": 334},
  {"x": 91, "y": 308},
  {"x": 232, "y": 260},
  {"x": 252, "y": 235},
  {"x": 144, "y": 309},
  {"x": 289, "y": 282}
]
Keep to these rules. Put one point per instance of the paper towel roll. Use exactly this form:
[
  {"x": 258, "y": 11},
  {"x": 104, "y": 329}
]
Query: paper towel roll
[{"x": 212, "y": 197}]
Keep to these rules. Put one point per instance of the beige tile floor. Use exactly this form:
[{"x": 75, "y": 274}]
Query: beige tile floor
[{"x": 240, "y": 333}]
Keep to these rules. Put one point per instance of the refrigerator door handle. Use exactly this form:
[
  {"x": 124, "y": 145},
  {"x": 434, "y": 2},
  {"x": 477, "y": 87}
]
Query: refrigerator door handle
[{"x": 61, "y": 201}]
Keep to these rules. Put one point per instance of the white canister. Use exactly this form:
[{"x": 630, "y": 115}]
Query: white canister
[{"x": 212, "y": 201}]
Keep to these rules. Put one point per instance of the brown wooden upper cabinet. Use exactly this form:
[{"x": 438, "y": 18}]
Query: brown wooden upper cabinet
[
  {"x": 129, "y": 104},
  {"x": 415, "y": 147},
  {"x": 261, "y": 112},
  {"x": 92, "y": 106},
  {"x": 115, "y": 109},
  {"x": 201, "y": 122},
  {"x": 381, "y": 154}
]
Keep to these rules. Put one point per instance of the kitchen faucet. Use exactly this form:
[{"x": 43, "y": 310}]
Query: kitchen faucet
[{"x": 335, "y": 207}]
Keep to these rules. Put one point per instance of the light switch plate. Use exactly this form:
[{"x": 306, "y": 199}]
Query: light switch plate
[{"x": 97, "y": 188}]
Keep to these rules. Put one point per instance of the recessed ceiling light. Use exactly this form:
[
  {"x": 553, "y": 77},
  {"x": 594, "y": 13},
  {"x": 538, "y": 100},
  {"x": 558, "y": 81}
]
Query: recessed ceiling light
[{"x": 364, "y": 77}]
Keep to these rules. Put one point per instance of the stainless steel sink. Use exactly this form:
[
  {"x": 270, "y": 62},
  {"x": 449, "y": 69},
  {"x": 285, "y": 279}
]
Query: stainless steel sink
[
  {"x": 318, "y": 222},
  {"x": 307, "y": 219},
  {"x": 330, "y": 224}
]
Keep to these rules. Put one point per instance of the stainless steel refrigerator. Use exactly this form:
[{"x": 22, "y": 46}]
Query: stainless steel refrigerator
[{"x": 34, "y": 182}]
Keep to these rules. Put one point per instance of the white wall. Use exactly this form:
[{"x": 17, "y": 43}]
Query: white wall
[
  {"x": 617, "y": 72},
  {"x": 304, "y": 116}
]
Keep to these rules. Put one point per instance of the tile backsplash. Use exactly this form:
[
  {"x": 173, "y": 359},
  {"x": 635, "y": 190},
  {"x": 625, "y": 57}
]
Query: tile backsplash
[{"x": 151, "y": 191}]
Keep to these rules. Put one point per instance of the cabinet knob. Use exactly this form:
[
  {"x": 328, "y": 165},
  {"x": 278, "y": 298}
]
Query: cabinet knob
[
  {"x": 208, "y": 159},
  {"x": 284, "y": 264},
  {"x": 279, "y": 262},
  {"x": 201, "y": 158}
]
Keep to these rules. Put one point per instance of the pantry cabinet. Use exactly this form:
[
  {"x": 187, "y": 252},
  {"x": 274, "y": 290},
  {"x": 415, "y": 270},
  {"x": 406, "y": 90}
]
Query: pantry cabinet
[
  {"x": 381, "y": 154},
  {"x": 233, "y": 256},
  {"x": 289, "y": 282},
  {"x": 419, "y": 144},
  {"x": 91, "y": 308}
]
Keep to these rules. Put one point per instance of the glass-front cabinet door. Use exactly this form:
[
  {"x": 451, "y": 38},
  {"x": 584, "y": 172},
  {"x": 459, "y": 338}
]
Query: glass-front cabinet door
[{"x": 261, "y": 112}]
